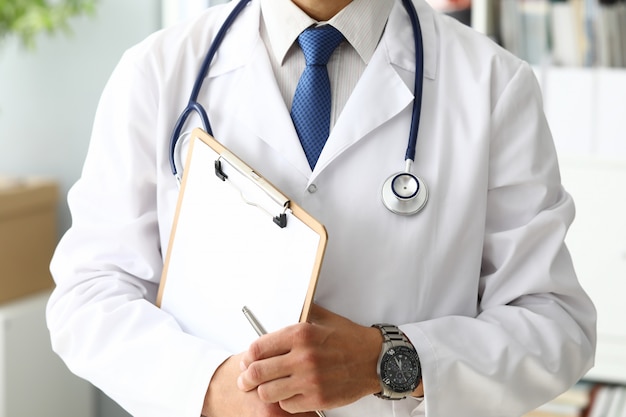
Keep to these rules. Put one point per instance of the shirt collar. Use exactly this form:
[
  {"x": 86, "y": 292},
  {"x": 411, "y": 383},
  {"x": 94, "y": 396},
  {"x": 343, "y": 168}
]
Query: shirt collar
[{"x": 361, "y": 22}]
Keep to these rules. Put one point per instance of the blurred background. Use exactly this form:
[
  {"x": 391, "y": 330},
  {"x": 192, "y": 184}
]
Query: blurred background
[{"x": 50, "y": 85}]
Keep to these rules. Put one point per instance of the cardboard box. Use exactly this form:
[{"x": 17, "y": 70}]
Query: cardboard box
[{"x": 28, "y": 236}]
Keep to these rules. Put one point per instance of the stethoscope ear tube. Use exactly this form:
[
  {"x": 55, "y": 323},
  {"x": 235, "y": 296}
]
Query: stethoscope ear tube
[
  {"x": 419, "y": 80},
  {"x": 193, "y": 98}
]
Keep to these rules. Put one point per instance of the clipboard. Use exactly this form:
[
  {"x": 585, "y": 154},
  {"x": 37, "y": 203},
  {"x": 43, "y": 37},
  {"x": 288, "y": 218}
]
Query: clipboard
[{"x": 237, "y": 241}]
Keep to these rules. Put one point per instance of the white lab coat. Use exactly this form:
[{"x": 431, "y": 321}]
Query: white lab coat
[{"x": 479, "y": 280}]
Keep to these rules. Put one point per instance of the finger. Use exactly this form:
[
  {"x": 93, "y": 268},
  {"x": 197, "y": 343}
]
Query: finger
[
  {"x": 280, "y": 390},
  {"x": 263, "y": 371},
  {"x": 222, "y": 400},
  {"x": 271, "y": 344},
  {"x": 292, "y": 395}
]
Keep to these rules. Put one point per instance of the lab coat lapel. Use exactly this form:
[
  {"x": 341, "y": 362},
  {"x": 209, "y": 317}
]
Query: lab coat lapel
[
  {"x": 381, "y": 93},
  {"x": 265, "y": 113}
]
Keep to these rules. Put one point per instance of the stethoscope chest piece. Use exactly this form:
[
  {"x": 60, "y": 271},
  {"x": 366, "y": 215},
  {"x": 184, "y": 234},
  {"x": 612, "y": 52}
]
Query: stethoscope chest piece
[{"x": 404, "y": 193}]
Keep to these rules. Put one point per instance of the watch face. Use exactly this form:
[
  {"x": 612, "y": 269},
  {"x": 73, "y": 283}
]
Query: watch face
[{"x": 400, "y": 369}]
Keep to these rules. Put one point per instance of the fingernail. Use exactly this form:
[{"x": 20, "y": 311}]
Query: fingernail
[{"x": 242, "y": 366}]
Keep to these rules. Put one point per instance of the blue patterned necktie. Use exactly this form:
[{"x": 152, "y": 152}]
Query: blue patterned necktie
[{"x": 310, "y": 110}]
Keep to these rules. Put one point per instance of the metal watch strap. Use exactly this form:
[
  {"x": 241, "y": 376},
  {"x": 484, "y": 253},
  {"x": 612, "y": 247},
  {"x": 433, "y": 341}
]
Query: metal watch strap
[
  {"x": 392, "y": 334},
  {"x": 392, "y": 337}
]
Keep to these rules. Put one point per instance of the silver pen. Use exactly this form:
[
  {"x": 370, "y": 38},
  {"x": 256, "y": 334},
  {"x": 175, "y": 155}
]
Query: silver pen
[
  {"x": 256, "y": 324},
  {"x": 260, "y": 330}
]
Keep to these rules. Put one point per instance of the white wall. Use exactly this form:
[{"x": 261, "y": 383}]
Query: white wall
[{"x": 48, "y": 97}]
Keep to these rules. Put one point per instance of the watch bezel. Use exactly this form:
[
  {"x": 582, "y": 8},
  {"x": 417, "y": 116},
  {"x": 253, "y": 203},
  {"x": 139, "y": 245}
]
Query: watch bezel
[
  {"x": 394, "y": 341},
  {"x": 388, "y": 381}
]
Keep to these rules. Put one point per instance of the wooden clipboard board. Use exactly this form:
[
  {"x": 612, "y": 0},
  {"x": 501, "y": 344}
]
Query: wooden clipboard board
[{"x": 237, "y": 241}]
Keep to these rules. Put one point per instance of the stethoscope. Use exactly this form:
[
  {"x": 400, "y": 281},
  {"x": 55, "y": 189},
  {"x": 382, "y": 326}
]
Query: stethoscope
[{"x": 402, "y": 193}]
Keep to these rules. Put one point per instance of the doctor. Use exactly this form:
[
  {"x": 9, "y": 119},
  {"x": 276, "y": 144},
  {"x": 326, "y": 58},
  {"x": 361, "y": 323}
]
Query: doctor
[{"x": 477, "y": 287}]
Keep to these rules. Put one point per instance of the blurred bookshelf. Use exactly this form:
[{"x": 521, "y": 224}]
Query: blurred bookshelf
[
  {"x": 587, "y": 33},
  {"x": 581, "y": 33}
]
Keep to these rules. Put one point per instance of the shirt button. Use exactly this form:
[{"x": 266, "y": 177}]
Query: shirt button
[{"x": 312, "y": 189}]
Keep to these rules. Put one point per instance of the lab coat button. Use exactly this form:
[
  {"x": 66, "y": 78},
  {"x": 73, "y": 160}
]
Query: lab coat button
[{"x": 312, "y": 188}]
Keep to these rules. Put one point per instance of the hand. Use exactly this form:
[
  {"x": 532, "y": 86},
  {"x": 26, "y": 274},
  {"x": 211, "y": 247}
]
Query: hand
[
  {"x": 326, "y": 363},
  {"x": 223, "y": 399}
]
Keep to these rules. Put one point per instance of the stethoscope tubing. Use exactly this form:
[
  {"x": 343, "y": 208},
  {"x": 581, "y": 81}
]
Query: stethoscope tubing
[
  {"x": 419, "y": 80},
  {"x": 193, "y": 105}
]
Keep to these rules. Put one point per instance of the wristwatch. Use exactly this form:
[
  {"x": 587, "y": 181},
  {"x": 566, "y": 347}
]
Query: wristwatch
[{"x": 399, "y": 367}]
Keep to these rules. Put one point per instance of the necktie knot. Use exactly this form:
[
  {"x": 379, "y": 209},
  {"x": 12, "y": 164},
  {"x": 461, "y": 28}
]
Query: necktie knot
[{"x": 318, "y": 44}]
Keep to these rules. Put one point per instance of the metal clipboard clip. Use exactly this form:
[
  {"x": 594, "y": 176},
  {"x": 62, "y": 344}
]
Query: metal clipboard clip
[{"x": 232, "y": 170}]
